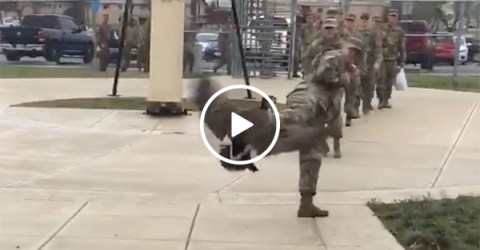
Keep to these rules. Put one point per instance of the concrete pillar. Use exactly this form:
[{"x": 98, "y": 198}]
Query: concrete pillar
[{"x": 165, "y": 91}]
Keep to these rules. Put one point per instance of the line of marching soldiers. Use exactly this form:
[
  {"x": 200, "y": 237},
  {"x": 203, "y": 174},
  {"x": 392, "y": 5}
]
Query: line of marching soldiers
[
  {"x": 136, "y": 35},
  {"x": 382, "y": 45},
  {"x": 339, "y": 60}
]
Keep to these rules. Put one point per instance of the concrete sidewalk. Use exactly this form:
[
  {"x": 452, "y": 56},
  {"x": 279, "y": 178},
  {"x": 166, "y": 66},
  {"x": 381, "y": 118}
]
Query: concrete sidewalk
[{"x": 99, "y": 179}]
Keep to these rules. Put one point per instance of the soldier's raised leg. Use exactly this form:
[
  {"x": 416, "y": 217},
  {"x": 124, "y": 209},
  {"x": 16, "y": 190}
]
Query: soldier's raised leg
[
  {"x": 310, "y": 162},
  {"x": 351, "y": 98}
]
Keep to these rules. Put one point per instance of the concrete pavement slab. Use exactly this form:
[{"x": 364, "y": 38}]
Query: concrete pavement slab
[
  {"x": 196, "y": 245},
  {"x": 69, "y": 117},
  {"x": 62, "y": 243},
  {"x": 253, "y": 231},
  {"x": 354, "y": 226},
  {"x": 38, "y": 224},
  {"x": 128, "y": 120},
  {"x": 21, "y": 242},
  {"x": 127, "y": 227}
]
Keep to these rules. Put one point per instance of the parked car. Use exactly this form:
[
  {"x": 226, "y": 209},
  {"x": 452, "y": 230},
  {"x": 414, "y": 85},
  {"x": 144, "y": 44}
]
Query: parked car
[
  {"x": 209, "y": 43},
  {"x": 9, "y": 22},
  {"x": 473, "y": 45},
  {"x": 419, "y": 43},
  {"x": 48, "y": 36},
  {"x": 445, "y": 48}
]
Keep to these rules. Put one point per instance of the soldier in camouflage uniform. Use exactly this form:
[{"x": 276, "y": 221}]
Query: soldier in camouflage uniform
[
  {"x": 393, "y": 51},
  {"x": 373, "y": 52},
  {"x": 330, "y": 41},
  {"x": 310, "y": 103},
  {"x": 308, "y": 33},
  {"x": 380, "y": 73},
  {"x": 144, "y": 49},
  {"x": 103, "y": 37},
  {"x": 353, "y": 90},
  {"x": 132, "y": 39}
]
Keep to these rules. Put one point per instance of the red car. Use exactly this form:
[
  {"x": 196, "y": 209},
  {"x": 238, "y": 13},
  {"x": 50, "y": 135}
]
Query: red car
[
  {"x": 445, "y": 49},
  {"x": 419, "y": 43}
]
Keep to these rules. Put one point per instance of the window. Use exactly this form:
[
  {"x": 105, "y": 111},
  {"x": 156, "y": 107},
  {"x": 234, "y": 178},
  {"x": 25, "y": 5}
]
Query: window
[
  {"x": 68, "y": 24},
  {"x": 49, "y": 22}
]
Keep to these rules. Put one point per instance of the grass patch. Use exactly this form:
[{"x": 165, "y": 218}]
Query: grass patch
[
  {"x": 125, "y": 103},
  {"x": 465, "y": 83},
  {"x": 426, "y": 224},
  {"x": 17, "y": 71},
  {"x": 117, "y": 103}
]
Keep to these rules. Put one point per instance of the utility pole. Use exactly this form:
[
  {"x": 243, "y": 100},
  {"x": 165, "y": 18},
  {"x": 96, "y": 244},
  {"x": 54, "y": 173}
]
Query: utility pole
[{"x": 458, "y": 41}]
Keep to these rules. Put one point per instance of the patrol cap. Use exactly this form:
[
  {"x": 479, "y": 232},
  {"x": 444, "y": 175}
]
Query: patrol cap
[
  {"x": 365, "y": 15},
  {"x": 332, "y": 11},
  {"x": 329, "y": 23},
  {"x": 377, "y": 19},
  {"x": 354, "y": 43},
  {"x": 393, "y": 12},
  {"x": 350, "y": 17}
]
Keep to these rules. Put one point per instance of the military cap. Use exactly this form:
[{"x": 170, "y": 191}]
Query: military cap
[
  {"x": 365, "y": 15},
  {"x": 393, "y": 12},
  {"x": 354, "y": 43},
  {"x": 329, "y": 23},
  {"x": 332, "y": 11},
  {"x": 351, "y": 17},
  {"x": 377, "y": 19}
]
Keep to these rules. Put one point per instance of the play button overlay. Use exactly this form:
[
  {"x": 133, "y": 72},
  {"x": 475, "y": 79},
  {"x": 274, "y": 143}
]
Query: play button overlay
[{"x": 237, "y": 123}]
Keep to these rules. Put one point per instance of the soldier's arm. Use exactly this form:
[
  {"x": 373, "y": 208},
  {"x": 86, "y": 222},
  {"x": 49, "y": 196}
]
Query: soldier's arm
[
  {"x": 328, "y": 70},
  {"x": 378, "y": 48},
  {"x": 312, "y": 49}
]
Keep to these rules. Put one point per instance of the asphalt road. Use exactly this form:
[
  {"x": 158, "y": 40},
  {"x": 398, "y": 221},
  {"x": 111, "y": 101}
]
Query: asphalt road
[{"x": 469, "y": 69}]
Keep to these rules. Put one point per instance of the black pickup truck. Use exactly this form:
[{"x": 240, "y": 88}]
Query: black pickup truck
[{"x": 48, "y": 36}]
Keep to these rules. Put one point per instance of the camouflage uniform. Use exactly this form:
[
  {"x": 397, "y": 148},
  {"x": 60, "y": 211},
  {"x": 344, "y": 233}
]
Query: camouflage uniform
[
  {"x": 310, "y": 103},
  {"x": 132, "y": 36},
  {"x": 334, "y": 126},
  {"x": 103, "y": 37},
  {"x": 144, "y": 50},
  {"x": 393, "y": 50},
  {"x": 353, "y": 91},
  {"x": 373, "y": 52},
  {"x": 308, "y": 34},
  {"x": 224, "y": 45}
]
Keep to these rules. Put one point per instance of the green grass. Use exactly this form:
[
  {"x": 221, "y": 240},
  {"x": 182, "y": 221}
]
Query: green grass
[
  {"x": 425, "y": 224},
  {"x": 116, "y": 103},
  {"x": 465, "y": 83},
  {"x": 17, "y": 71},
  {"x": 14, "y": 71}
]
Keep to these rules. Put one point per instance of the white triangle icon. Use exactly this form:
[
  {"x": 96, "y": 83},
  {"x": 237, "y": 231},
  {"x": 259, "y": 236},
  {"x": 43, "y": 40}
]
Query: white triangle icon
[{"x": 239, "y": 124}]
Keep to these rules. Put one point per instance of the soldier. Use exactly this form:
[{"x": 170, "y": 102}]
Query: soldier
[
  {"x": 103, "y": 34},
  {"x": 188, "y": 53},
  {"x": 393, "y": 51},
  {"x": 380, "y": 73},
  {"x": 132, "y": 39},
  {"x": 306, "y": 38},
  {"x": 146, "y": 45},
  {"x": 319, "y": 19},
  {"x": 330, "y": 40},
  {"x": 224, "y": 45},
  {"x": 373, "y": 52},
  {"x": 353, "y": 90},
  {"x": 330, "y": 74}
]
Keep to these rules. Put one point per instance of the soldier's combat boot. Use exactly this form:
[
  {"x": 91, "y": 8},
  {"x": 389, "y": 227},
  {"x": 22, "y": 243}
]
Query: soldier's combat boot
[
  {"x": 336, "y": 148},
  {"x": 387, "y": 105},
  {"x": 325, "y": 149},
  {"x": 381, "y": 104},
  {"x": 307, "y": 209},
  {"x": 348, "y": 121}
]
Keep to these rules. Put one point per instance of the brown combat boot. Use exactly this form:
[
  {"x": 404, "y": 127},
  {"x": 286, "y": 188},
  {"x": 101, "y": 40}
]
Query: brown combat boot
[
  {"x": 308, "y": 210},
  {"x": 381, "y": 104},
  {"x": 336, "y": 148},
  {"x": 348, "y": 122},
  {"x": 387, "y": 105}
]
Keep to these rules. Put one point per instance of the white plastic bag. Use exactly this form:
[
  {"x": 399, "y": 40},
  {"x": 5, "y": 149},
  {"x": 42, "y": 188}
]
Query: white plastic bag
[{"x": 401, "y": 81}]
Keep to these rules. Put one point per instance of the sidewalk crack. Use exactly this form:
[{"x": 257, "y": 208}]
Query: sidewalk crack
[
  {"x": 187, "y": 243},
  {"x": 452, "y": 148},
  {"x": 62, "y": 226}
]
